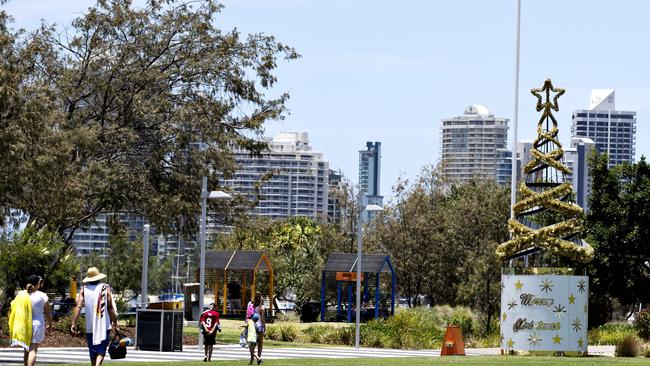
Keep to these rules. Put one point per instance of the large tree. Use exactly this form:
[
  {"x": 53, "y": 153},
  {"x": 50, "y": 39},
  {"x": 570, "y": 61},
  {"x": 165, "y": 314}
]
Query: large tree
[
  {"x": 441, "y": 238},
  {"x": 618, "y": 225},
  {"x": 410, "y": 230},
  {"x": 126, "y": 110}
]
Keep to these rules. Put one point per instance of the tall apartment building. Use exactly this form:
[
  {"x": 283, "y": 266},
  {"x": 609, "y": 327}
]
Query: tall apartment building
[
  {"x": 370, "y": 174},
  {"x": 298, "y": 186},
  {"x": 333, "y": 205},
  {"x": 575, "y": 157},
  {"x": 523, "y": 157},
  {"x": 95, "y": 236},
  {"x": 613, "y": 131},
  {"x": 474, "y": 145}
]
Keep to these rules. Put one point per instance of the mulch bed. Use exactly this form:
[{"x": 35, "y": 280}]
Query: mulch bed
[{"x": 58, "y": 338}]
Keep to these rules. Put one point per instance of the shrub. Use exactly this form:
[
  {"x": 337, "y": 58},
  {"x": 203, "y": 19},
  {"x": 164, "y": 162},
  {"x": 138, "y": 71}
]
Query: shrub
[
  {"x": 4, "y": 332},
  {"x": 128, "y": 320},
  {"x": 463, "y": 318},
  {"x": 272, "y": 332},
  {"x": 345, "y": 335},
  {"x": 642, "y": 324},
  {"x": 630, "y": 346},
  {"x": 65, "y": 323},
  {"x": 610, "y": 333},
  {"x": 407, "y": 329},
  {"x": 316, "y": 333},
  {"x": 282, "y": 332}
]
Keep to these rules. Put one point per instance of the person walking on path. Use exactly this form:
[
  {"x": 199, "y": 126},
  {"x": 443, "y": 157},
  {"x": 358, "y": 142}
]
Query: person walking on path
[
  {"x": 260, "y": 325},
  {"x": 30, "y": 317},
  {"x": 210, "y": 324},
  {"x": 101, "y": 315}
]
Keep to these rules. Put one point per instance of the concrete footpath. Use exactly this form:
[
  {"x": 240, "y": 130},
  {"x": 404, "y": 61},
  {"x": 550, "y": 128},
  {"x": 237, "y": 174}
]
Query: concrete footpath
[{"x": 14, "y": 356}]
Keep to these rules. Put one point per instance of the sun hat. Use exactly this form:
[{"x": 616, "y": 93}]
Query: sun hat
[{"x": 93, "y": 275}]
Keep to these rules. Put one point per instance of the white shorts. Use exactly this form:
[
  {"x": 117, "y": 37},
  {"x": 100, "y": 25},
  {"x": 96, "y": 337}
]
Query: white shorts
[{"x": 38, "y": 331}]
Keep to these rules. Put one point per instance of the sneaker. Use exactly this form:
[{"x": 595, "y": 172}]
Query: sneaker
[
  {"x": 259, "y": 361},
  {"x": 205, "y": 359}
]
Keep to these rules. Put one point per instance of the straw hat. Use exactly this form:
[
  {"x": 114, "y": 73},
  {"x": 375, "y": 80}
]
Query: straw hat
[{"x": 93, "y": 275}]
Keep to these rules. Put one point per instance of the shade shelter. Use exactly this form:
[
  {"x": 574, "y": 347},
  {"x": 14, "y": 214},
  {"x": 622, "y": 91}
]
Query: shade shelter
[
  {"x": 342, "y": 267},
  {"x": 236, "y": 267}
]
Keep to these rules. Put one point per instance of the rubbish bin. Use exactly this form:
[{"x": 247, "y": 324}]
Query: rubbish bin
[
  {"x": 159, "y": 330},
  {"x": 309, "y": 312}
]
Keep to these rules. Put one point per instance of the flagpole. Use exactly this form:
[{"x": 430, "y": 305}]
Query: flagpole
[{"x": 515, "y": 118}]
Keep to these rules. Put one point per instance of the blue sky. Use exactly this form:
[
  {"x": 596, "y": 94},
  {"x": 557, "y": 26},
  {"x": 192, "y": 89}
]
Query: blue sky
[{"x": 389, "y": 71}]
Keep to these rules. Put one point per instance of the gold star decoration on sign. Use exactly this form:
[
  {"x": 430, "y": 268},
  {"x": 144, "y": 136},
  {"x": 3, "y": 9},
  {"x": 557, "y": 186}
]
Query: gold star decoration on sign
[
  {"x": 580, "y": 342},
  {"x": 572, "y": 299},
  {"x": 547, "y": 285},
  {"x": 560, "y": 310},
  {"x": 505, "y": 316},
  {"x": 518, "y": 285},
  {"x": 533, "y": 339},
  {"x": 576, "y": 324},
  {"x": 510, "y": 343},
  {"x": 557, "y": 339},
  {"x": 582, "y": 286},
  {"x": 512, "y": 304}
]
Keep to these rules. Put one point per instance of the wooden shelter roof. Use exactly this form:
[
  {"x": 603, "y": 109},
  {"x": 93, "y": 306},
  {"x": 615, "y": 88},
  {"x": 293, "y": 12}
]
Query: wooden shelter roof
[
  {"x": 236, "y": 260},
  {"x": 347, "y": 262}
]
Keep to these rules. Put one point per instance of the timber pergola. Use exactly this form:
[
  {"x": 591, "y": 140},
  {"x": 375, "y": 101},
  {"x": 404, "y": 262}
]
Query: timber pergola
[
  {"x": 345, "y": 267},
  {"x": 219, "y": 264}
]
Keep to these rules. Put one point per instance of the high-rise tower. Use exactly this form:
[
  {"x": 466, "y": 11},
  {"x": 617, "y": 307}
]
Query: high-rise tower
[
  {"x": 613, "y": 131},
  {"x": 370, "y": 173},
  {"x": 474, "y": 146}
]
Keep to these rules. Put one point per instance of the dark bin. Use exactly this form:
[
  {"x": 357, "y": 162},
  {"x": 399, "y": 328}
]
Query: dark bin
[
  {"x": 159, "y": 330},
  {"x": 309, "y": 312}
]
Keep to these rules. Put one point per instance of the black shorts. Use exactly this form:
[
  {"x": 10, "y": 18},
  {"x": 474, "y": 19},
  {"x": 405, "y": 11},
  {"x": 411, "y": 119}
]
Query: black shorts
[{"x": 209, "y": 339}]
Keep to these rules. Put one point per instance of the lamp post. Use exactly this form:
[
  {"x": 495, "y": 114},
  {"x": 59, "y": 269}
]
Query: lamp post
[
  {"x": 204, "y": 202},
  {"x": 368, "y": 208},
  {"x": 144, "y": 298}
]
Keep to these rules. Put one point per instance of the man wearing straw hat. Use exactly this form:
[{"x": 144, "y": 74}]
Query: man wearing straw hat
[{"x": 99, "y": 305}]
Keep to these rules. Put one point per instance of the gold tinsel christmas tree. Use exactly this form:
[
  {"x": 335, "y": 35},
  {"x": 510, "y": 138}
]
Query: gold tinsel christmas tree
[{"x": 546, "y": 195}]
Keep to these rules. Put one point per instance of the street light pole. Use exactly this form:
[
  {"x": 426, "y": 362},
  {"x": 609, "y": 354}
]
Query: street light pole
[
  {"x": 368, "y": 208},
  {"x": 358, "y": 299},
  {"x": 204, "y": 202},
  {"x": 144, "y": 299}
]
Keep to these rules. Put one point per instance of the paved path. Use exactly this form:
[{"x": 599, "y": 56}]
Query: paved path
[{"x": 14, "y": 356}]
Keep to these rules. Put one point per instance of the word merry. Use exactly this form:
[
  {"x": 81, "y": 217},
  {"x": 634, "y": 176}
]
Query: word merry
[
  {"x": 530, "y": 300},
  {"x": 522, "y": 324}
]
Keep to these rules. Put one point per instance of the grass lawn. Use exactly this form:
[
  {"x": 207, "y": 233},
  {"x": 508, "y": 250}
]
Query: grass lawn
[{"x": 473, "y": 360}]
